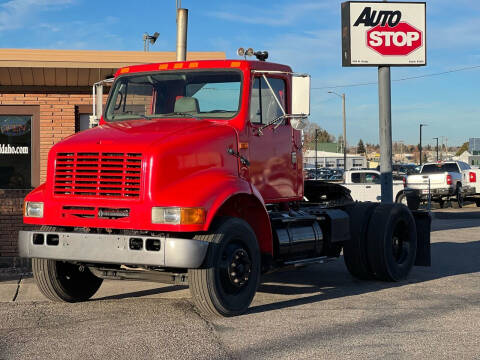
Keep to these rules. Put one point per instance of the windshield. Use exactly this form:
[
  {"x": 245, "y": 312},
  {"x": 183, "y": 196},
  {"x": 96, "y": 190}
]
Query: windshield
[
  {"x": 439, "y": 168},
  {"x": 197, "y": 94}
]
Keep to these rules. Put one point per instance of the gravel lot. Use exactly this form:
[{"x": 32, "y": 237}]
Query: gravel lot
[{"x": 317, "y": 312}]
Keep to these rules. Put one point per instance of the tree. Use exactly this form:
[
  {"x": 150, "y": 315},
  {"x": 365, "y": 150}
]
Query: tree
[
  {"x": 309, "y": 136},
  {"x": 361, "y": 147},
  {"x": 462, "y": 149}
]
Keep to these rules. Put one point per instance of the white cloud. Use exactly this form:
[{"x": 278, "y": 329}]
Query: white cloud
[{"x": 15, "y": 14}]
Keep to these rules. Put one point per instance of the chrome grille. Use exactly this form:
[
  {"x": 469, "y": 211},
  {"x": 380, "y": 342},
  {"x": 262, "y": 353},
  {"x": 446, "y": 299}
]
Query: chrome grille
[{"x": 99, "y": 174}]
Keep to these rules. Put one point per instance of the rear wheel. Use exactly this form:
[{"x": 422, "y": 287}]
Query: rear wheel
[
  {"x": 64, "y": 281},
  {"x": 459, "y": 197},
  {"x": 441, "y": 203},
  {"x": 229, "y": 281},
  {"x": 391, "y": 242},
  {"x": 355, "y": 250},
  {"x": 477, "y": 201}
]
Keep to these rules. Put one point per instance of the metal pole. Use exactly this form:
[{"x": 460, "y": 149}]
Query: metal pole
[
  {"x": 182, "y": 21},
  {"x": 420, "y": 145},
  {"x": 436, "y": 138},
  {"x": 316, "y": 160},
  {"x": 385, "y": 125},
  {"x": 344, "y": 135}
]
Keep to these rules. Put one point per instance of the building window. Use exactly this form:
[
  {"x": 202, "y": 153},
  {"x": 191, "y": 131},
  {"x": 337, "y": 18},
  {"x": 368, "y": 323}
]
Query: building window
[
  {"x": 82, "y": 117},
  {"x": 19, "y": 155},
  {"x": 15, "y": 151}
]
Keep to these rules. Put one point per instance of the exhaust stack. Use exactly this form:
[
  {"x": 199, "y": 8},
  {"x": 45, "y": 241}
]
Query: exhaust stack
[{"x": 182, "y": 23}]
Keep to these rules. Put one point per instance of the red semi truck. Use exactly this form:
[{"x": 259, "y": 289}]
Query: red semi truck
[{"x": 194, "y": 176}]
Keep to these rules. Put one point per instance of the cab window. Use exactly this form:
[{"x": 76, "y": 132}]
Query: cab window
[
  {"x": 263, "y": 106},
  {"x": 356, "y": 178},
  {"x": 372, "y": 178}
]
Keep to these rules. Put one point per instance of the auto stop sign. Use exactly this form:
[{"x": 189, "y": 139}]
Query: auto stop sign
[{"x": 383, "y": 33}]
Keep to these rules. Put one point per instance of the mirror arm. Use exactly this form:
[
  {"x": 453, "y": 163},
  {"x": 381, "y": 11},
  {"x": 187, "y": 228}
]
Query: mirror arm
[{"x": 274, "y": 95}]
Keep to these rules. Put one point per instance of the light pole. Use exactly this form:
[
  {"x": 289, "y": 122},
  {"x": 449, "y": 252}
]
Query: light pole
[
  {"x": 402, "y": 143},
  {"x": 420, "y": 145},
  {"x": 316, "y": 161},
  {"x": 149, "y": 39},
  {"x": 344, "y": 129},
  {"x": 436, "y": 138}
]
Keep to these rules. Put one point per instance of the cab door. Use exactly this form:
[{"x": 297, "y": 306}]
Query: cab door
[{"x": 273, "y": 167}]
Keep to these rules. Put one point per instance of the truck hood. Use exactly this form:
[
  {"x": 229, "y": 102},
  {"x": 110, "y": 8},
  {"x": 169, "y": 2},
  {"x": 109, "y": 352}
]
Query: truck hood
[{"x": 134, "y": 134}]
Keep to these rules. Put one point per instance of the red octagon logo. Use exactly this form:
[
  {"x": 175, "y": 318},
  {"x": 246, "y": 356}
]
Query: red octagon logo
[{"x": 399, "y": 40}]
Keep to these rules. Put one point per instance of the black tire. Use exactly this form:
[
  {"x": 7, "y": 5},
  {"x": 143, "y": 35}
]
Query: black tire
[
  {"x": 355, "y": 250},
  {"x": 216, "y": 288},
  {"x": 477, "y": 202},
  {"x": 441, "y": 203},
  {"x": 391, "y": 242},
  {"x": 64, "y": 281},
  {"x": 459, "y": 197}
]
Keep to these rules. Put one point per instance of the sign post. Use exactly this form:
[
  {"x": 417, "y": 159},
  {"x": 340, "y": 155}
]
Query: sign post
[
  {"x": 385, "y": 126},
  {"x": 384, "y": 34}
]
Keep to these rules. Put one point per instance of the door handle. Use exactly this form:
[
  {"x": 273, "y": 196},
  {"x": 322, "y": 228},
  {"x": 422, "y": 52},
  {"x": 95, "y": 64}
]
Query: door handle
[{"x": 368, "y": 187}]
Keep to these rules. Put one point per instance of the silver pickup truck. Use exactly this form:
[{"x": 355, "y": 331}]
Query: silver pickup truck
[{"x": 442, "y": 181}]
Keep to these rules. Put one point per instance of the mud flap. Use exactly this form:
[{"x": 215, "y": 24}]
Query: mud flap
[{"x": 423, "y": 222}]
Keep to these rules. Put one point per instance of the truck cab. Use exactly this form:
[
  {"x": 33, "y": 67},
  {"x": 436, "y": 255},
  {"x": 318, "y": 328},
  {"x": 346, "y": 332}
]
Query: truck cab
[{"x": 194, "y": 176}]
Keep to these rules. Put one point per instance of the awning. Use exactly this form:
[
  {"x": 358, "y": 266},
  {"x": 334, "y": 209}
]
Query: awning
[{"x": 75, "y": 68}]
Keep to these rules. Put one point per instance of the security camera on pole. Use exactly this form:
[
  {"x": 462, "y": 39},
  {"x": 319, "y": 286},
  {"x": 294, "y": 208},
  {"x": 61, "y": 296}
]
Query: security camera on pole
[{"x": 384, "y": 34}]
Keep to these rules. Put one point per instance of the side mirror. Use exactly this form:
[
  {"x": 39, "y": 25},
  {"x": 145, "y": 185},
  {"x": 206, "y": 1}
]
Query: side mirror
[
  {"x": 299, "y": 123},
  {"x": 300, "y": 95}
]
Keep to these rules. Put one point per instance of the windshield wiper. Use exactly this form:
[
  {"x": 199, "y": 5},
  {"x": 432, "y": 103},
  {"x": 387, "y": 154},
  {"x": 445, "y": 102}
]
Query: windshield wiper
[
  {"x": 184, "y": 114},
  {"x": 129, "y": 116}
]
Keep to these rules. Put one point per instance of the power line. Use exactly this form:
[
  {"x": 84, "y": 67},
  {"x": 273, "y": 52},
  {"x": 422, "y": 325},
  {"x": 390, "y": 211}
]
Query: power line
[{"x": 401, "y": 79}]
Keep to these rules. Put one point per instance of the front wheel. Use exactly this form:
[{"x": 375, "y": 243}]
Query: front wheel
[
  {"x": 231, "y": 274},
  {"x": 64, "y": 281}
]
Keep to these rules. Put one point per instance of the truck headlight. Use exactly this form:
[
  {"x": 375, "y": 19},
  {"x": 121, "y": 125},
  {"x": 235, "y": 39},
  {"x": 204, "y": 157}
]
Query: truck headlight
[
  {"x": 33, "y": 209},
  {"x": 178, "y": 216}
]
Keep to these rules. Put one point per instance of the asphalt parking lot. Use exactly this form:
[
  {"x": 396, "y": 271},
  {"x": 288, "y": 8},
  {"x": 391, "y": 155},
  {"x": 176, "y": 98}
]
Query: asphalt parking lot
[{"x": 317, "y": 312}]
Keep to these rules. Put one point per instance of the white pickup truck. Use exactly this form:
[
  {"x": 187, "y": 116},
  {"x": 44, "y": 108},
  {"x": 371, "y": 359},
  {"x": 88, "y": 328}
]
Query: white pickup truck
[
  {"x": 442, "y": 181},
  {"x": 364, "y": 185}
]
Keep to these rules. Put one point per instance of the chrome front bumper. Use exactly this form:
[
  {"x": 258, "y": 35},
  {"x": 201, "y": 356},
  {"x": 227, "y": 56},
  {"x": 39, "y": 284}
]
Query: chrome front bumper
[{"x": 113, "y": 249}]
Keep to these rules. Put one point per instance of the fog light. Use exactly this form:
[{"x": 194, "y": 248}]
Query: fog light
[
  {"x": 33, "y": 209},
  {"x": 178, "y": 216}
]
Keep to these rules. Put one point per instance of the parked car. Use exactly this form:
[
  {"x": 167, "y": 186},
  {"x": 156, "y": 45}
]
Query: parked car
[
  {"x": 442, "y": 181},
  {"x": 364, "y": 185}
]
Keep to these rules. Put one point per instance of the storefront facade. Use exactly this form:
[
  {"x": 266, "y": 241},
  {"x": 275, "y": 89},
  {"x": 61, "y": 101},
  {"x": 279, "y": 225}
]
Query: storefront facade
[{"x": 45, "y": 96}]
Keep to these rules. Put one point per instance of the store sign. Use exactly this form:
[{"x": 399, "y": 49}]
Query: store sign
[
  {"x": 7, "y": 149},
  {"x": 383, "y": 33}
]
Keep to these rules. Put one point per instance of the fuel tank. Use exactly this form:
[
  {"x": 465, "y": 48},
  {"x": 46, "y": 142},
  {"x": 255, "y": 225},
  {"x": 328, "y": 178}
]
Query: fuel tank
[{"x": 296, "y": 235}]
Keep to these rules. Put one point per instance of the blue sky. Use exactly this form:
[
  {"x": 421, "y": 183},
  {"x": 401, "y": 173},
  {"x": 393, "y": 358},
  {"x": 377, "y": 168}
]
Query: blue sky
[{"x": 303, "y": 33}]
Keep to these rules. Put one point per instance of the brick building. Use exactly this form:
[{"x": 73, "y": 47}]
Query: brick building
[{"x": 46, "y": 95}]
